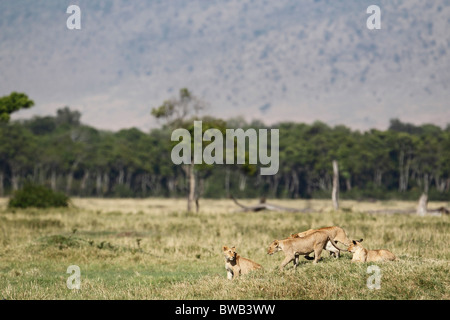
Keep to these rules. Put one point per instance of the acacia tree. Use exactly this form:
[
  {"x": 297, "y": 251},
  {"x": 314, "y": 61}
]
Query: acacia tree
[
  {"x": 15, "y": 101},
  {"x": 175, "y": 112},
  {"x": 9, "y": 104}
]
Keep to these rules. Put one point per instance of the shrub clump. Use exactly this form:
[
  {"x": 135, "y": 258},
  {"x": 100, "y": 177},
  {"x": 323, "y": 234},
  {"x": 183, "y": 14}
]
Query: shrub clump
[{"x": 37, "y": 196}]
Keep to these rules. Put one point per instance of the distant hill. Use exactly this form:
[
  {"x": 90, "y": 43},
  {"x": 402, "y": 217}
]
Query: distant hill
[{"x": 273, "y": 60}]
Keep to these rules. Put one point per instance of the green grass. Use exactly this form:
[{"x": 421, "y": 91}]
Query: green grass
[{"x": 152, "y": 249}]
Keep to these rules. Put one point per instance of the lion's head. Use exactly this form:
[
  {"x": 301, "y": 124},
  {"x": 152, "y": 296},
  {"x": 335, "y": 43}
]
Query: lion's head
[
  {"x": 354, "y": 245},
  {"x": 274, "y": 247},
  {"x": 229, "y": 253}
]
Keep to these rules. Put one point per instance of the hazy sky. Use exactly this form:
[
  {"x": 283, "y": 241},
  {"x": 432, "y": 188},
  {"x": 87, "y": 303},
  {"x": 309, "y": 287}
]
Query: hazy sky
[{"x": 286, "y": 60}]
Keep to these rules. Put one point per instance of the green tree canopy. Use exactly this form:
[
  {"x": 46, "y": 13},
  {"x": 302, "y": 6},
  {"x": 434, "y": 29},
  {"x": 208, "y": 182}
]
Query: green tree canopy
[{"x": 15, "y": 101}]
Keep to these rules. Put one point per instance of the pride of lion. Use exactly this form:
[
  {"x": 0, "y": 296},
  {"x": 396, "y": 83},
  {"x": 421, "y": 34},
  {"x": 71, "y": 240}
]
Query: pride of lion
[{"x": 304, "y": 243}]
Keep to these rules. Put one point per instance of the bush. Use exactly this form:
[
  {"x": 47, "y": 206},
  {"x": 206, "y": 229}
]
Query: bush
[
  {"x": 38, "y": 197},
  {"x": 122, "y": 191}
]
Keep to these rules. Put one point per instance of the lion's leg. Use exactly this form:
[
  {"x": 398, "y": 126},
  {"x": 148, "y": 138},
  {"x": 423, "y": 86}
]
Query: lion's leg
[
  {"x": 317, "y": 253},
  {"x": 334, "y": 252},
  {"x": 286, "y": 260},
  {"x": 229, "y": 274},
  {"x": 337, "y": 254},
  {"x": 296, "y": 260}
]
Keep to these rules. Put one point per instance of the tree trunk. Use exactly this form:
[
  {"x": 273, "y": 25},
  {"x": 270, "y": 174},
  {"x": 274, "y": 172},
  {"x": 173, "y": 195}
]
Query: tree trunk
[
  {"x": 171, "y": 185},
  {"x": 258, "y": 180},
  {"x": 128, "y": 179},
  {"x": 328, "y": 182},
  {"x": 14, "y": 179},
  {"x": 191, "y": 195},
  {"x": 348, "y": 184},
  {"x": 335, "y": 192},
  {"x": 309, "y": 186},
  {"x": 144, "y": 182},
  {"x": 121, "y": 177},
  {"x": 42, "y": 173},
  {"x": 70, "y": 177},
  {"x": 406, "y": 174},
  {"x": 35, "y": 173},
  {"x": 440, "y": 183},
  {"x": 99, "y": 183},
  {"x": 378, "y": 177},
  {"x": 2, "y": 188},
  {"x": 154, "y": 183},
  {"x": 276, "y": 181},
  {"x": 426, "y": 183},
  {"x": 105, "y": 183},
  {"x": 53, "y": 180},
  {"x": 84, "y": 183},
  {"x": 69, "y": 182},
  {"x": 322, "y": 184},
  {"x": 198, "y": 193},
  {"x": 286, "y": 184},
  {"x": 422, "y": 207},
  {"x": 227, "y": 181},
  {"x": 242, "y": 181},
  {"x": 401, "y": 181},
  {"x": 158, "y": 185},
  {"x": 295, "y": 185}
]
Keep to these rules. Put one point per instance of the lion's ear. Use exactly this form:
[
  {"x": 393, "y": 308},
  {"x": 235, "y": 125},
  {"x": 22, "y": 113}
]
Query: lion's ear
[
  {"x": 224, "y": 248},
  {"x": 275, "y": 242},
  {"x": 233, "y": 248},
  {"x": 354, "y": 242},
  {"x": 360, "y": 240}
]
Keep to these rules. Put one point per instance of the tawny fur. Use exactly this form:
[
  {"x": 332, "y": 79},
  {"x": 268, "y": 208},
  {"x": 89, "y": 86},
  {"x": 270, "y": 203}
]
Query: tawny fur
[
  {"x": 360, "y": 254},
  {"x": 292, "y": 247},
  {"x": 336, "y": 234},
  {"x": 237, "y": 265}
]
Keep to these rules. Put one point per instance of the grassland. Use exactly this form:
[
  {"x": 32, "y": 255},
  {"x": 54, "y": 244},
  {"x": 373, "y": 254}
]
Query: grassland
[{"x": 153, "y": 249}]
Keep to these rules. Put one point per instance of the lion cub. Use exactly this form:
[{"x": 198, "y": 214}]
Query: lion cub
[
  {"x": 292, "y": 247},
  {"x": 361, "y": 254},
  {"x": 237, "y": 265}
]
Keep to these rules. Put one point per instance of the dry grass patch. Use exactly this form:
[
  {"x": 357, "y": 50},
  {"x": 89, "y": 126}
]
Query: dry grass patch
[{"x": 153, "y": 249}]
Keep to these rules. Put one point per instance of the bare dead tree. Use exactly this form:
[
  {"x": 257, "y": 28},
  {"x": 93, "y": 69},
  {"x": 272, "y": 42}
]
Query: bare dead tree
[
  {"x": 421, "y": 210},
  {"x": 263, "y": 205},
  {"x": 335, "y": 192},
  {"x": 422, "y": 206}
]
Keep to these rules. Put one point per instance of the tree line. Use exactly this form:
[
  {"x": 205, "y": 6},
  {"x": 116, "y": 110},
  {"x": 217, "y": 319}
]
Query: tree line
[{"x": 66, "y": 155}]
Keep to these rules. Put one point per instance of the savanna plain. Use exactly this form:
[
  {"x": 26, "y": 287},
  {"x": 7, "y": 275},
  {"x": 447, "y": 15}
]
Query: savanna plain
[{"x": 154, "y": 249}]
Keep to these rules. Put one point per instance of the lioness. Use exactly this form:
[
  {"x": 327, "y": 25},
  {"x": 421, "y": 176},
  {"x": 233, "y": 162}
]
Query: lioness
[
  {"x": 329, "y": 247},
  {"x": 361, "y": 254},
  {"x": 337, "y": 234},
  {"x": 237, "y": 265},
  {"x": 292, "y": 247}
]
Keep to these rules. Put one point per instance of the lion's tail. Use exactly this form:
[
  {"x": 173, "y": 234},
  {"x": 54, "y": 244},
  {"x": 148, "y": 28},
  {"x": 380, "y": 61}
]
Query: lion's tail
[{"x": 332, "y": 242}]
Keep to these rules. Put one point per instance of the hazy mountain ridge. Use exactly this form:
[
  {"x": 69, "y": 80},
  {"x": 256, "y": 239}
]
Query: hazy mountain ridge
[{"x": 279, "y": 61}]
